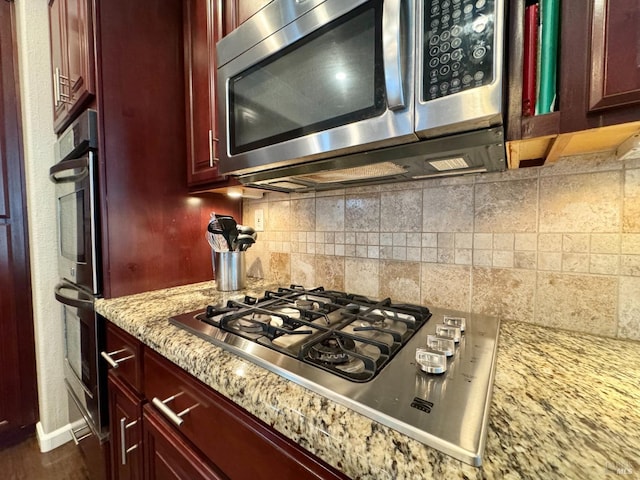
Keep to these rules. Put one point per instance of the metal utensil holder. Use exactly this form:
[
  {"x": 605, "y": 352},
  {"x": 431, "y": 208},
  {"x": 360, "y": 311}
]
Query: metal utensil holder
[{"x": 229, "y": 270}]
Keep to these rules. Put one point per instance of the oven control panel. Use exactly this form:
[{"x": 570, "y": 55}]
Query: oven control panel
[{"x": 459, "y": 38}]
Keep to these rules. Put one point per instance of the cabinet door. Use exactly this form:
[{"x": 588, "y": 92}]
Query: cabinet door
[
  {"x": 202, "y": 31},
  {"x": 80, "y": 73},
  {"x": 58, "y": 43},
  {"x": 615, "y": 54},
  {"x": 125, "y": 422},
  {"x": 18, "y": 395},
  {"x": 169, "y": 457}
]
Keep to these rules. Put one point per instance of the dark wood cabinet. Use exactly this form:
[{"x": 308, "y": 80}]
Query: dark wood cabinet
[
  {"x": 18, "y": 395},
  {"x": 203, "y": 28},
  {"x": 615, "y": 48},
  {"x": 206, "y": 22},
  {"x": 72, "y": 58},
  {"x": 598, "y": 83},
  {"x": 152, "y": 228},
  {"x": 125, "y": 424},
  {"x": 169, "y": 457},
  {"x": 189, "y": 431}
]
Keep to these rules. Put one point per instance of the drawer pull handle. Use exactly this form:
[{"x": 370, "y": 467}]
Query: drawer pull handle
[
  {"x": 123, "y": 439},
  {"x": 109, "y": 357},
  {"x": 176, "y": 418}
]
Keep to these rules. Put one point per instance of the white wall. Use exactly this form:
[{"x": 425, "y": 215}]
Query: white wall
[{"x": 38, "y": 138}]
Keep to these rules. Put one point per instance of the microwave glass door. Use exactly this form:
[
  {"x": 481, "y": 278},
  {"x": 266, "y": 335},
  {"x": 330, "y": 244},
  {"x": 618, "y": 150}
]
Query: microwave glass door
[{"x": 330, "y": 78}]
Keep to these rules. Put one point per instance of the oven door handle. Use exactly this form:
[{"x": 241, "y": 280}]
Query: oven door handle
[
  {"x": 72, "y": 301},
  {"x": 82, "y": 163},
  {"x": 392, "y": 53}
]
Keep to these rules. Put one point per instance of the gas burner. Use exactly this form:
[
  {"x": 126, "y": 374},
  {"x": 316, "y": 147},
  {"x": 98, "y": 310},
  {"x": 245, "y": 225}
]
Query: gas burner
[
  {"x": 306, "y": 304},
  {"x": 333, "y": 350},
  {"x": 252, "y": 324},
  {"x": 375, "y": 321}
]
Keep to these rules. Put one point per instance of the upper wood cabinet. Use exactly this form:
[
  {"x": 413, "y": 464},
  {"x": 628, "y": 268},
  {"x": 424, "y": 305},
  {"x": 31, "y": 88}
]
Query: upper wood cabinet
[
  {"x": 72, "y": 58},
  {"x": 204, "y": 26},
  {"x": 615, "y": 52},
  {"x": 598, "y": 75},
  {"x": 206, "y": 22}
]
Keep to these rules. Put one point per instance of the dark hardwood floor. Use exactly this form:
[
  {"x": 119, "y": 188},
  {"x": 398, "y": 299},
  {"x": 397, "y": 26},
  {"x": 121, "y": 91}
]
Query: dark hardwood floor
[{"x": 25, "y": 462}]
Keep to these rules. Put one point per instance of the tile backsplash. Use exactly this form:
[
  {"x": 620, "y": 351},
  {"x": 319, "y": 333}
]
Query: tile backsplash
[{"x": 557, "y": 245}]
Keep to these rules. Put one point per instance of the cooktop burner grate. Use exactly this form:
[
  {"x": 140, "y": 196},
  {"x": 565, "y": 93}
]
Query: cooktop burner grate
[{"x": 348, "y": 335}]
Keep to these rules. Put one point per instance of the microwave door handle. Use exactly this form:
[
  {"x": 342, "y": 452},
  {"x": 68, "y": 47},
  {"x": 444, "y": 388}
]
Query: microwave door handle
[
  {"x": 71, "y": 301},
  {"x": 392, "y": 53},
  {"x": 82, "y": 163}
]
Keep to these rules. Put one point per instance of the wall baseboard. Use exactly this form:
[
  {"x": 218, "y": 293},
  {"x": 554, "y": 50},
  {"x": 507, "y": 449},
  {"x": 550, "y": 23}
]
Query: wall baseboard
[{"x": 52, "y": 440}]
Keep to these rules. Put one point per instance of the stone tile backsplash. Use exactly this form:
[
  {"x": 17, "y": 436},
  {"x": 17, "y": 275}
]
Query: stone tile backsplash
[{"x": 557, "y": 245}]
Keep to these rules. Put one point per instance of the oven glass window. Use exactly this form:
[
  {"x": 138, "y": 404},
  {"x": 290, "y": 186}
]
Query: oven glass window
[
  {"x": 330, "y": 78},
  {"x": 78, "y": 346},
  {"x": 72, "y": 223}
]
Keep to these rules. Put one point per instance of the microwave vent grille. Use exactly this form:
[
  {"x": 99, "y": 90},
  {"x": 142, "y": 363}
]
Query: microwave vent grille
[
  {"x": 384, "y": 169},
  {"x": 449, "y": 164}
]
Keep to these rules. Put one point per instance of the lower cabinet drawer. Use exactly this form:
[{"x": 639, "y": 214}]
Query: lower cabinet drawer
[
  {"x": 123, "y": 355},
  {"x": 168, "y": 456},
  {"x": 238, "y": 443}
]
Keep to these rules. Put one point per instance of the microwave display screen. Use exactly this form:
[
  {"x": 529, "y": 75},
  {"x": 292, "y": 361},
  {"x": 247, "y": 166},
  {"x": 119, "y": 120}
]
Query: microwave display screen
[
  {"x": 72, "y": 219},
  {"x": 330, "y": 78},
  {"x": 458, "y": 46}
]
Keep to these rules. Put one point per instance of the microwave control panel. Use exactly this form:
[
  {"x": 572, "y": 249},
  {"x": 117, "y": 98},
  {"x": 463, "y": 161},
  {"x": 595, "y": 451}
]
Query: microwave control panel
[{"x": 459, "y": 38}]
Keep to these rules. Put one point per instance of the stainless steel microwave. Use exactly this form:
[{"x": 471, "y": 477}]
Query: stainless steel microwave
[{"x": 315, "y": 93}]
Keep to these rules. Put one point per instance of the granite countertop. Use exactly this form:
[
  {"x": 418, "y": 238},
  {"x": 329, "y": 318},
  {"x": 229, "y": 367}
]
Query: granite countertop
[{"x": 565, "y": 405}]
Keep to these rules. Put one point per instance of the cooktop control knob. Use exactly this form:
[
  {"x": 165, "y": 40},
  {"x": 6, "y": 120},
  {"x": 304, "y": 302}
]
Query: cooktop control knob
[
  {"x": 459, "y": 322},
  {"x": 441, "y": 344},
  {"x": 448, "y": 331},
  {"x": 431, "y": 361}
]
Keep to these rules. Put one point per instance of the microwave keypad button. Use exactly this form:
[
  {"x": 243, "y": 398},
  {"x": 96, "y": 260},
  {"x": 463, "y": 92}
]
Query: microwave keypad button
[
  {"x": 444, "y": 86},
  {"x": 433, "y": 74},
  {"x": 480, "y": 25},
  {"x": 433, "y": 62},
  {"x": 446, "y": 35},
  {"x": 480, "y": 4},
  {"x": 446, "y": 4},
  {"x": 444, "y": 70},
  {"x": 455, "y": 66},
  {"x": 456, "y": 55},
  {"x": 466, "y": 79},
  {"x": 446, "y": 18},
  {"x": 444, "y": 59},
  {"x": 479, "y": 75},
  {"x": 433, "y": 51},
  {"x": 479, "y": 53},
  {"x": 456, "y": 42},
  {"x": 445, "y": 47},
  {"x": 435, "y": 9},
  {"x": 433, "y": 90},
  {"x": 455, "y": 83},
  {"x": 456, "y": 31},
  {"x": 456, "y": 14},
  {"x": 468, "y": 8},
  {"x": 434, "y": 40}
]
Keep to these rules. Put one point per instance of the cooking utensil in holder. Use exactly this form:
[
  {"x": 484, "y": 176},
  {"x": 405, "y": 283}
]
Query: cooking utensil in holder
[{"x": 230, "y": 270}]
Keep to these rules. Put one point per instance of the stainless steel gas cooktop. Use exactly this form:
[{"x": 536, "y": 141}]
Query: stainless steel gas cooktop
[{"x": 425, "y": 372}]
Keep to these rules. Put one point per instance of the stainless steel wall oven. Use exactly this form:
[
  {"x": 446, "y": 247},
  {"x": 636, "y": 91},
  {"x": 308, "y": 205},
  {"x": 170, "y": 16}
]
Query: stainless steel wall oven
[{"x": 78, "y": 228}]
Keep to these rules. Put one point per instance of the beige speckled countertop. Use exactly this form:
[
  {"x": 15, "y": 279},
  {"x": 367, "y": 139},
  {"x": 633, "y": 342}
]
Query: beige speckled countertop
[{"x": 565, "y": 405}]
